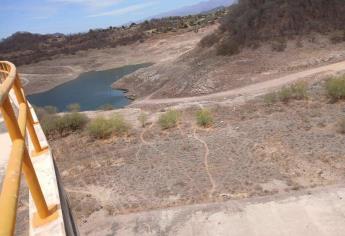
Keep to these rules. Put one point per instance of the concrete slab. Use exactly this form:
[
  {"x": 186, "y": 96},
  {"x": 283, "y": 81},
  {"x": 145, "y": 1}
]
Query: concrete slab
[{"x": 319, "y": 212}]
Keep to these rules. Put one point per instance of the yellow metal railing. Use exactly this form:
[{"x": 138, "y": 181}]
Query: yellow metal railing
[{"x": 19, "y": 160}]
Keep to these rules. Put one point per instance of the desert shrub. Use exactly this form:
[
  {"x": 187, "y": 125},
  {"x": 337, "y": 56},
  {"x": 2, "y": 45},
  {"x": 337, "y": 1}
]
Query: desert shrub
[
  {"x": 60, "y": 125},
  {"x": 341, "y": 126},
  {"x": 100, "y": 128},
  {"x": 228, "y": 47},
  {"x": 106, "y": 107},
  {"x": 297, "y": 91},
  {"x": 169, "y": 119},
  {"x": 336, "y": 88},
  {"x": 74, "y": 121},
  {"x": 204, "y": 118},
  {"x": 142, "y": 118},
  {"x": 74, "y": 107},
  {"x": 279, "y": 45},
  {"x": 119, "y": 125}
]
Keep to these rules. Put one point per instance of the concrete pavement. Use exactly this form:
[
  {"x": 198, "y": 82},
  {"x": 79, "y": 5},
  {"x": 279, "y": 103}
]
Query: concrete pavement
[{"x": 317, "y": 212}]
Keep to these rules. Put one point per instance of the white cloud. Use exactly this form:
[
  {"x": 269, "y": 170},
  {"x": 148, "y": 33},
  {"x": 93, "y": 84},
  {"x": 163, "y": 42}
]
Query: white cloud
[
  {"x": 89, "y": 3},
  {"x": 124, "y": 10}
]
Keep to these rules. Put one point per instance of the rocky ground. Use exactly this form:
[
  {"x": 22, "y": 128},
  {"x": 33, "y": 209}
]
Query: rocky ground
[{"x": 253, "y": 149}]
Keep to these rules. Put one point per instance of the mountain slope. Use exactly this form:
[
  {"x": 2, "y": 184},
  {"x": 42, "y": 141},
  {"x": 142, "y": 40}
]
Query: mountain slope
[{"x": 253, "y": 21}]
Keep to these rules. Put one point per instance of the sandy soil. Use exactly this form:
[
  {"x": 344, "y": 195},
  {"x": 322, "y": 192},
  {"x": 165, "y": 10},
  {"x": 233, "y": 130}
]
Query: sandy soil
[{"x": 45, "y": 75}]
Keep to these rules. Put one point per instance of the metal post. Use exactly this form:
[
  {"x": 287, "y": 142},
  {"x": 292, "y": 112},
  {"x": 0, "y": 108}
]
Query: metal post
[
  {"x": 30, "y": 125},
  {"x": 29, "y": 172}
]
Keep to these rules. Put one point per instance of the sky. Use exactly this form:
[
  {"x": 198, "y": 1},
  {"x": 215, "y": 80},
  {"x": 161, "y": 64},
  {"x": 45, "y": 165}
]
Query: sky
[{"x": 72, "y": 16}]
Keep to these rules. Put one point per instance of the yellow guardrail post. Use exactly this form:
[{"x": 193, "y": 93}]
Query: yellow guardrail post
[
  {"x": 30, "y": 125},
  {"x": 19, "y": 158}
]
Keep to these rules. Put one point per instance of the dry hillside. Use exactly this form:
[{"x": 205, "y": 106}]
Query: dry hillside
[
  {"x": 27, "y": 48},
  {"x": 256, "y": 41}
]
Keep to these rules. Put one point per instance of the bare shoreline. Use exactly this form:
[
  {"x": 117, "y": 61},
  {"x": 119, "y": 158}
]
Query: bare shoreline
[{"x": 45, "y": 75}]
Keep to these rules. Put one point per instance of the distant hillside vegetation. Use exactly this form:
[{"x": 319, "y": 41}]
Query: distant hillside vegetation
[
  {"x": 253, "y": 21},
  {"x": 25, "y": 48}
]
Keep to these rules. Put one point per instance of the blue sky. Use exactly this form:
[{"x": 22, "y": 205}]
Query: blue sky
[{"x": 71, "y": 16}]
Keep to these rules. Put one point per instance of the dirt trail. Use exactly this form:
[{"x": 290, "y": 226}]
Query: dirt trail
[
  {"x": 252, "y": 90},
  {"x": 207, "y": 168}
]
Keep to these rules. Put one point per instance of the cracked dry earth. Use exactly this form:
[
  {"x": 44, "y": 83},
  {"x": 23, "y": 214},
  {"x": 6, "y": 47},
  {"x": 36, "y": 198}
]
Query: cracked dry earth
[{"x": 252, "y": 150}]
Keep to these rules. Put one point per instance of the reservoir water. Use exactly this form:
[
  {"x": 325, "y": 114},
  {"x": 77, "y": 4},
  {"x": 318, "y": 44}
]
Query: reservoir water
[{"x": 90, "y": 90}]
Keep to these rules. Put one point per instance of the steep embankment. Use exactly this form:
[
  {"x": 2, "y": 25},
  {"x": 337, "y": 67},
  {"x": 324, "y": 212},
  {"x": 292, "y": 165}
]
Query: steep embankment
[{"x": 256, "y": 41}]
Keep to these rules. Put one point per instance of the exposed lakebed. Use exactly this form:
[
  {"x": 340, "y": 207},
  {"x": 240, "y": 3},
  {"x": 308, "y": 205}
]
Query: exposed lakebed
[{"x": 90, "y": 90}]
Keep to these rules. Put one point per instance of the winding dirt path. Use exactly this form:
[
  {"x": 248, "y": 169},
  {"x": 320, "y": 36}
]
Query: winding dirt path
[
  {"x": 207, "y": 168},
  {"x": 252, "y": 90}
]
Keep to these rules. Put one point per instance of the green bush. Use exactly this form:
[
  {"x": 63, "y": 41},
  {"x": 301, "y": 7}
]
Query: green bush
[
  {"x": 204, "y": 118},
  {"x": 100, "y": 128},
  {"x": 74, "y": 121},
  {"x": 142, "y": 119},
  {"x": 60, "y": 125},
  {"x": 297, "y": 91},
  {"x": 119, "y": 125},
  {"x": 74, "y": 107},
  {"x": 169, "y": 119},
  {"x": 336, "y": 88}
]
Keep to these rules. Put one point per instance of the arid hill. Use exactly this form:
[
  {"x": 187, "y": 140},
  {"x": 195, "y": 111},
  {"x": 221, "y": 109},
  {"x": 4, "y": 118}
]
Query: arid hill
[
  {"x": 251, "y": 22},
  {"x": 26, "y": 48},
  {"x": 257, "y": 40}
]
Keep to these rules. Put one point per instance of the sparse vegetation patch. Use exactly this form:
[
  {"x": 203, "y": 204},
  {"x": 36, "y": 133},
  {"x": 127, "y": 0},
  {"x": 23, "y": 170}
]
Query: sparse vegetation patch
[
  {"x": 297, "y": 91},
  {"x": 204, "y": 118},
  {"x": 100, "y": 128},
  {"x": 336, "y": 88},
  {"x": 119, "y": 125},
  {"x": 169, "y": 119},
  {"x": 252, "y": 21},
  {"x": 60, "y": 125}
]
